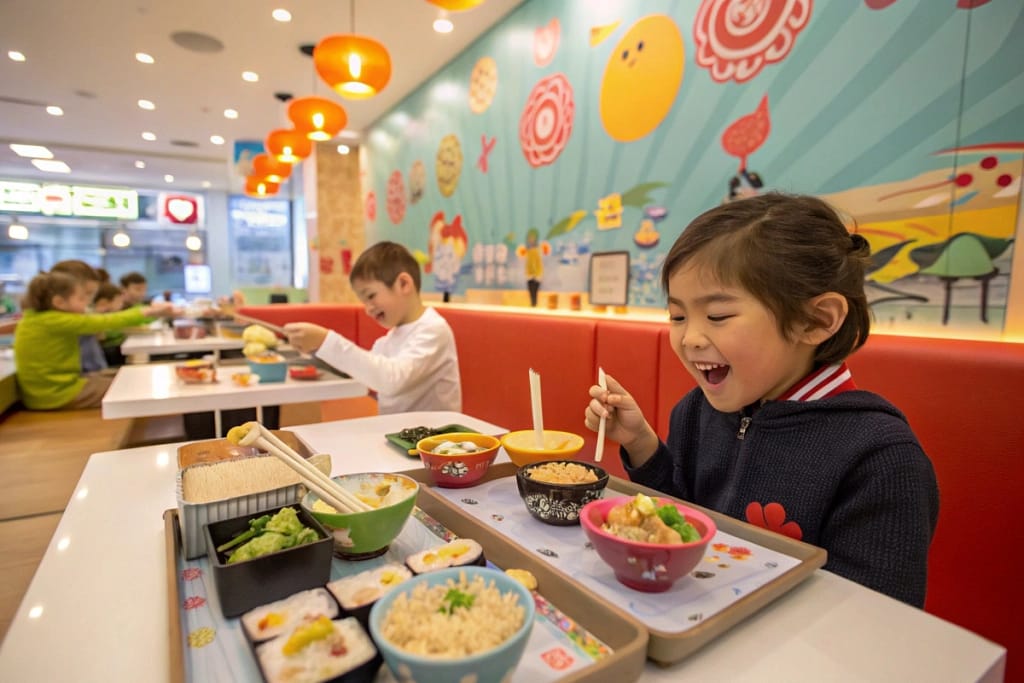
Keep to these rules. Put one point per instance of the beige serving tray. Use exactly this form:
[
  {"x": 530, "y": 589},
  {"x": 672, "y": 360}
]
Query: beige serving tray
[
  {"x": 624, "y": 635},
  {"x": 664, "y": 647}
]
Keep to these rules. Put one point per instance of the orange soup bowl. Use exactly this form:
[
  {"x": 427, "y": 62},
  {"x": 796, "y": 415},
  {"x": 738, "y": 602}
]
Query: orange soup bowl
[
  {"x": 647, "y": 567},
  {"x": 522, "y": 447},
  {"x": 458, "y": 470}
]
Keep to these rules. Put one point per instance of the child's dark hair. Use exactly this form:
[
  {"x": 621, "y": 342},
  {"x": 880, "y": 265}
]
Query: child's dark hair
[
  {"x": 76, "y": 268},
  {"x": 385, "y": 261},
  {"x": 108, "y": 291},
  {"x": 43, "y": 287},
  {"x": 133, "y": 278},
  {"x": 785, "y": 250}
]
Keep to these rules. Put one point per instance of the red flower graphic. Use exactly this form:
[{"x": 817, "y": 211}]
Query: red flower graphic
[
  {"x": 736, "y": 38},
  {"x": 191, "y": 574},
  {"x": 546, "y": 123},
  {"x": 396, "y": 197},
  {"x": 194, "y": 602},
  {"x": 773, "y": 517}
]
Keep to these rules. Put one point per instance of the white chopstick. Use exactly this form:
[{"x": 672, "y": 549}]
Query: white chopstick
[
  {"x": 329, "y": 490},
  {"x": 599, "y": 452}
]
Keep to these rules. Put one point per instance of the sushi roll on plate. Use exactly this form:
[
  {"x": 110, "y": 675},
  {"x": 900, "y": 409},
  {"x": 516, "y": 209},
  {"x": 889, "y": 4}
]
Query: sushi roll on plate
[
  {"x": 271, "y": 620},
  {"x": 457, "y": 553},
  {"x": 357, "y": 593},
  {"x": 320, "y": 650}
]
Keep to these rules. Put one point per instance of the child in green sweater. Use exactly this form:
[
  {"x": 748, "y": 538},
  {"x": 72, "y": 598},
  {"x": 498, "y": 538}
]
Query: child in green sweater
[{"x": 46, "y": 342}]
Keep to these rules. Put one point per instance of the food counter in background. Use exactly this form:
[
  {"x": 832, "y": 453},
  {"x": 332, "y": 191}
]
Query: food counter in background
[{"x": 952, "y": 391}]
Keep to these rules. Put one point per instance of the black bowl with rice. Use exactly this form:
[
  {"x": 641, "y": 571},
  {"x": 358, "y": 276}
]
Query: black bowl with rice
[{"x": 554, "y": 492}]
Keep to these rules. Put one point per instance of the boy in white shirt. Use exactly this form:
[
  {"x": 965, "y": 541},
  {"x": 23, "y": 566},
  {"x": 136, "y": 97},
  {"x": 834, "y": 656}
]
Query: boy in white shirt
[{"x": 415, "y": 365}]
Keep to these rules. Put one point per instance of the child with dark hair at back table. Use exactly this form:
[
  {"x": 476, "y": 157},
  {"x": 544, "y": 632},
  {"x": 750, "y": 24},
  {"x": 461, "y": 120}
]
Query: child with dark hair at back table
[
  {"x": 46, "y": 342},
  {"x": 415, "y": 365},
  {"x": 135, "y": 286},
  {"x": 766, "y": 301}
]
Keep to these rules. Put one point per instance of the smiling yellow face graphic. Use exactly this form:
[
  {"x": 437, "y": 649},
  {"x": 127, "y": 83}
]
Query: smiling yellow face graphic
[{"x": 641, "y": 79}]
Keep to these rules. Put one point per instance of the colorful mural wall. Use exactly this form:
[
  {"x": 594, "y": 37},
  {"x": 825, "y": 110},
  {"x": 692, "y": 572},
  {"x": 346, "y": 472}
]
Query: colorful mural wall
[{"x": 608, "y": 126}]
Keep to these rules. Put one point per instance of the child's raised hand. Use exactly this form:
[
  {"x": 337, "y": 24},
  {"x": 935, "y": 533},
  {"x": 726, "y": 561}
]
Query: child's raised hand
[
  {"x": 306, "y": 337},
  {"x": 625, "y": 423}
]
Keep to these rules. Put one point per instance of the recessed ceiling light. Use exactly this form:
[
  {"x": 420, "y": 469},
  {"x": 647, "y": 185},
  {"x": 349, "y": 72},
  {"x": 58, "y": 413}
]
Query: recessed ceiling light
[
  {"x": 121, "y": 239},
  {"x": 230, "y": 114},
  {"x": 149, "y": 136},
  {"x": 216, "y": 139},
  {"x": 144, "y": 58},
  {"x": 281, "y": 15},
  {"x": 207, "y": 184},
  {"x": 54, "y": 110},
  {"x": 250, "y": 76},
  {"x": 193, "y": 243},
  {"x": 51, "y": 166},
  {"x": 443, "y": 25},
  {"x": 31, "y": 151},
  {"x": 147, "y": 105},
  {"x": 344, "y": 149},
  {"x": 16, "y": 56},
  {"x": 168, "y": 178},
  {"x": 140, "y": 164}
]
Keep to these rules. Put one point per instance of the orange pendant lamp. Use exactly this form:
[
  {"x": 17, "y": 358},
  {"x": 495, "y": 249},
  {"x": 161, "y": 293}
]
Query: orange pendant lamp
[
  {"x": 288, "y": 145},
  {"x": 270, "y": 169},
  {"x": 257, "y": 187},
  {"x": 356, "y": 67},
  {"x": 456, "y": 5},
  {"x": 319, "y": 118}
]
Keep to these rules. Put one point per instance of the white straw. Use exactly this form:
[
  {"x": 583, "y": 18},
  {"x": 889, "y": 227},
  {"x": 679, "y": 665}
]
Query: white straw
[
  {"x": 599, "y": 453},
  {"x": 535, "y": 406}
]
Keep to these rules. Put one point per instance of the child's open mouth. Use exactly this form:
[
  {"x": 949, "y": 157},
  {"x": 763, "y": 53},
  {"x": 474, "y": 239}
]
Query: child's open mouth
[{"x": 714, "y": 373}]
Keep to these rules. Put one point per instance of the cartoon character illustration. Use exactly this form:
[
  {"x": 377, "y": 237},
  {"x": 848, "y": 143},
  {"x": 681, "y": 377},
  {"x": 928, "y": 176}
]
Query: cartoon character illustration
[
  {"x": 609, "y": 212},
  {"x": 446, "y": 245},
  {"x": 641, "y": 79},
  {"x": 534, "y": 264}
]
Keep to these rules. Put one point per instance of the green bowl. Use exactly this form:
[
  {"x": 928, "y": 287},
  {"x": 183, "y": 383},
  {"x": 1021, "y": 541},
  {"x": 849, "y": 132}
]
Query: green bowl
[{"x": 362, "y": 535}]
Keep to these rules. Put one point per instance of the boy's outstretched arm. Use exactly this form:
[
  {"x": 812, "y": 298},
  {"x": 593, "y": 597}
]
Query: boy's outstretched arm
[
  {"x": 625, "y": 422},
  {"x": 306, "y": 337}
]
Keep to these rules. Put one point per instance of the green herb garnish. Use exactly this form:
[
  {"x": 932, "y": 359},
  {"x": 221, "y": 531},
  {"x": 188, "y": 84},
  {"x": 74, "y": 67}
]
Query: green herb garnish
[
  {"x": 456, "y": 598},
  {"x": 669, "y": 514}
]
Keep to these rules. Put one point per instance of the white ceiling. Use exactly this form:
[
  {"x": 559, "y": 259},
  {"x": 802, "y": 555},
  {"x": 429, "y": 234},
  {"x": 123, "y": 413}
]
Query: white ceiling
[{"x": 80, "y": 56}]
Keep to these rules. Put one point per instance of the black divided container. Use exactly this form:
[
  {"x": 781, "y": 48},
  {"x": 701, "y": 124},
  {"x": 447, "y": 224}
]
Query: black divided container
[{"x": 245, "y": 585}]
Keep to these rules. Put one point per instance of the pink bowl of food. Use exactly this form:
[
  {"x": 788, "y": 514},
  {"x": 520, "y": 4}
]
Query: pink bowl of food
[{"x": 615, "y": 526}]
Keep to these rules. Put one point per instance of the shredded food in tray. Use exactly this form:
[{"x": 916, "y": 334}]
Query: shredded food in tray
[
  {"x": 454, "y": 620},
  {"x": 205, "y": 483},
  {"x": 562, "y": 473}
]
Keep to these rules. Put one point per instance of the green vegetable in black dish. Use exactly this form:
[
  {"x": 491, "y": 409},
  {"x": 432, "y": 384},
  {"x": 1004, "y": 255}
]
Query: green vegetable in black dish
[
  {"x": 256, "y": 527},
  {"x": 280, "y": 532},
  {"x": 670, "y": 515}
]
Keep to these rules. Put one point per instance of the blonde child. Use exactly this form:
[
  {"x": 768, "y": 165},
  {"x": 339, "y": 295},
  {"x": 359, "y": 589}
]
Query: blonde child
[
  {"x": 766, "y": 301},
  {"x": 412, "y": 367},
  {"x": 46, "y": 342}
]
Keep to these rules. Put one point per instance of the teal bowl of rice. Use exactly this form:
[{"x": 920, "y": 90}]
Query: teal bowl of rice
[{"x": 465, "y": 623}]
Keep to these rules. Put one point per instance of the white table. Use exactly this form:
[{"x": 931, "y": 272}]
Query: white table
[
  {"x": 97, "y": 607},
  {"x": 154, "y": 389},
  {"x": 137, "y": 348}
]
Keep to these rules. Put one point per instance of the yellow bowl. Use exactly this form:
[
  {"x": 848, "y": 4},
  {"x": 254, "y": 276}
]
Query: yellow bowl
[{"x": 522, "y": 448}]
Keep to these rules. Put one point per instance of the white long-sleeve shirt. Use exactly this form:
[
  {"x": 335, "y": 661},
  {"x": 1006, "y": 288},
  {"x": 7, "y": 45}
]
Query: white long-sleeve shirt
[{"x": 413, "y": 367}]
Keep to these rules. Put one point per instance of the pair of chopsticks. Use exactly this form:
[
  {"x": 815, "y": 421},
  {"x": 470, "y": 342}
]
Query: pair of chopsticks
[
  {"x": 599, "y": 451},
  {"x": 332, "y": 493}
]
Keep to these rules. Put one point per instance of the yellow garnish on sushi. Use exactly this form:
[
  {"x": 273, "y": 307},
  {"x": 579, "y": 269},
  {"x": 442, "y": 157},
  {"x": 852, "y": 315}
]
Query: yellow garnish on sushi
[
  {"x": 272, "y": 620},
  {"x": 305, "y": 635},
  {"x": 453, "y": 550}
]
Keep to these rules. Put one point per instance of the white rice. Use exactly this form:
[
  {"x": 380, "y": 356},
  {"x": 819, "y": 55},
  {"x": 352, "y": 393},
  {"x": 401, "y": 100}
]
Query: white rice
[{"x": 414, "y": 622}]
